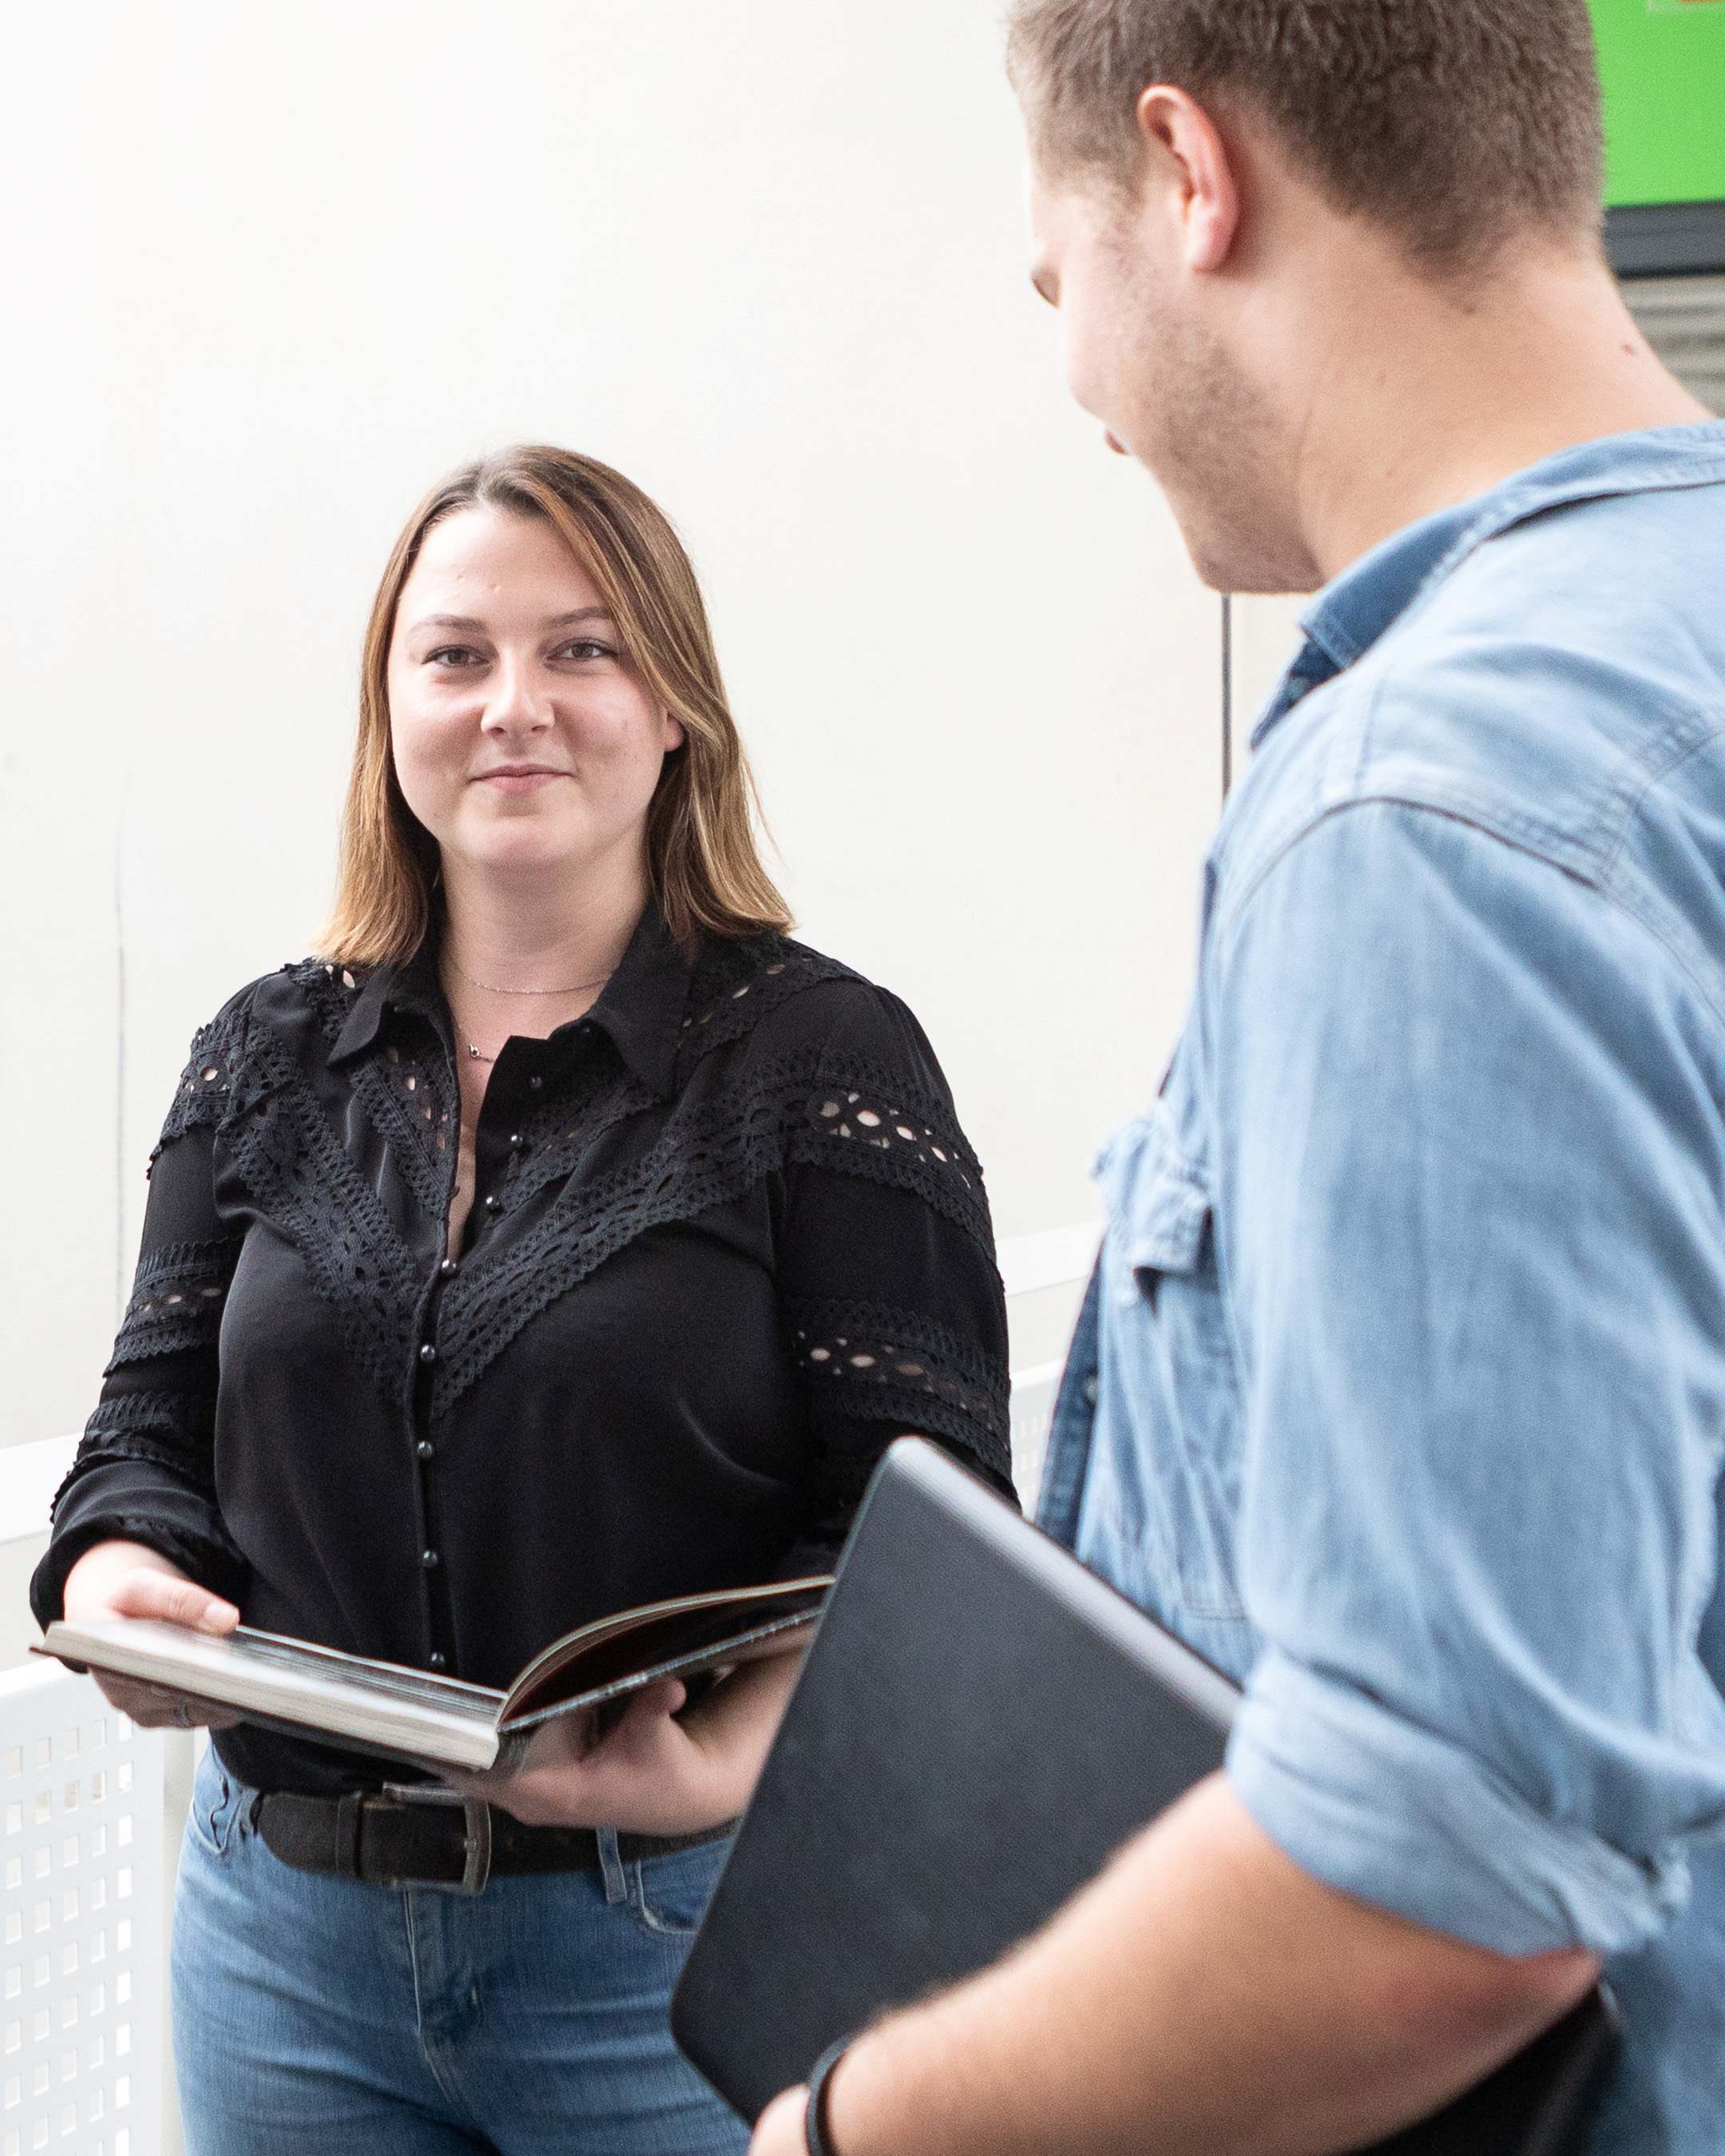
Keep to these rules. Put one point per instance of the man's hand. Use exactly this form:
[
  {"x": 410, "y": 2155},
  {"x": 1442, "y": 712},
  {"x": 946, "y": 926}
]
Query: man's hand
[{"x": 126, "y": 1579}]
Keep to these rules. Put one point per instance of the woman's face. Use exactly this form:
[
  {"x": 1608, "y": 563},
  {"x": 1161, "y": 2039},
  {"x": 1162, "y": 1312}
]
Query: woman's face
[{"x": 523, "y": 736}]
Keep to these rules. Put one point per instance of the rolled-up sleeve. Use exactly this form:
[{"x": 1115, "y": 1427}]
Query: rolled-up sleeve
[{"x": 1468, "y": 1221}]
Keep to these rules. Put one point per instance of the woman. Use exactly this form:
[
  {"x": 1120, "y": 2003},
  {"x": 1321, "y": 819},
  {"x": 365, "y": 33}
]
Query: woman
[{"x": 564, "y": 1238}]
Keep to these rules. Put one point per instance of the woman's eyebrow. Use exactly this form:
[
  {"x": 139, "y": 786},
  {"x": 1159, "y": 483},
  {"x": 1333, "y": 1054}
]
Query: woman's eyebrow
[{"x": 471, "y": 625}]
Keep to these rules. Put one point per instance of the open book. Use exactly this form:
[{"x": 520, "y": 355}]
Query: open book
[{"x": 438, "y": 1722}]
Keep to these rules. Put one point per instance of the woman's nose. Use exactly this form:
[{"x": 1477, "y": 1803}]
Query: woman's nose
[{"x": 516, "y": 703}]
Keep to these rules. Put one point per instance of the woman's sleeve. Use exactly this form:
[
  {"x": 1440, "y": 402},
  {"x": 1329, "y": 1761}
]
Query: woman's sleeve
[
  {"x": 144, "y": 1472},
  {"x": 889, "y": 1287}
]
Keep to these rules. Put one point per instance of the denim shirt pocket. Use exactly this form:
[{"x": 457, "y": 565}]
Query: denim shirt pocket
[{"x": 1167, "y": 1337}]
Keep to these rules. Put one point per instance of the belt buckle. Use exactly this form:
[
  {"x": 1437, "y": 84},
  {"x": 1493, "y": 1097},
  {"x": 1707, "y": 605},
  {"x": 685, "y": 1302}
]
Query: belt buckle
[{"x": 476, "y": 1845}]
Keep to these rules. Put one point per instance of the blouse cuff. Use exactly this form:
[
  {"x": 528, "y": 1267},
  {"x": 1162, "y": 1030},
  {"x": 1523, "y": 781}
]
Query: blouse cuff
[{"x": 120, "y": 1501}]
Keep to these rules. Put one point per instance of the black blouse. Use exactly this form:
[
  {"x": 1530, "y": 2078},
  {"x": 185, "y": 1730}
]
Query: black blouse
[{"x": 727, "y": 1241}]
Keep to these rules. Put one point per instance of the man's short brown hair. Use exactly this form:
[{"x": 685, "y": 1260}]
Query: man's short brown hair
[{"x": 1456, "y": 123}]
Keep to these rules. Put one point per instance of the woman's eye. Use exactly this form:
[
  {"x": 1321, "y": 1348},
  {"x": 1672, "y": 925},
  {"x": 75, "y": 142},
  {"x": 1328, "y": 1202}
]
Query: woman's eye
[
  {"x": 586, "y": 647},
  {"x": 452, "y": 655}
]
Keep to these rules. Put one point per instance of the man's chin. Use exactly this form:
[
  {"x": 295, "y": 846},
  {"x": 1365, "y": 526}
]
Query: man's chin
[
  {"x": 1221, "y": 567},
  {"x": 1244, "y": 565}
]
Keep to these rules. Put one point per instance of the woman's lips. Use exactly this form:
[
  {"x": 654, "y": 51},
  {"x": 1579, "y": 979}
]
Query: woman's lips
[{"x": 518, "y": 781}]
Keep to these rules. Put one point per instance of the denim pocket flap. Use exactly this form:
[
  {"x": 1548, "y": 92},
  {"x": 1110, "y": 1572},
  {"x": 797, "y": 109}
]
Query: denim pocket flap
[{"x": 1157, "y": 1204}]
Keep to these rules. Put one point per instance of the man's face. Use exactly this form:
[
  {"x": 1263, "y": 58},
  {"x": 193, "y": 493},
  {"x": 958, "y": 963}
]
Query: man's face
[
  {"x": 1148, "y": 352},
  {"x": 1079, "y": 266}
]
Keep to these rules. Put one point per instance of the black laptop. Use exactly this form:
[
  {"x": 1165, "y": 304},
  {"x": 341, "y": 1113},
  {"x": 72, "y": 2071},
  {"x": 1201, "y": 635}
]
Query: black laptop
[{"x": 980, "y": 1725}]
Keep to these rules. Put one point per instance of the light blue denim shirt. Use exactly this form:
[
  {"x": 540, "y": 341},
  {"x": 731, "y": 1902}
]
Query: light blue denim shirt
[{"x": 1399, "y": 1391}]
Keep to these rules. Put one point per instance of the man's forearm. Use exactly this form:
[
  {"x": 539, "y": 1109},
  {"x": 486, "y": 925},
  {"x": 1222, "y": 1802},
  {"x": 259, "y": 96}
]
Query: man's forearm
[{"x": 1205, "y": 1995}]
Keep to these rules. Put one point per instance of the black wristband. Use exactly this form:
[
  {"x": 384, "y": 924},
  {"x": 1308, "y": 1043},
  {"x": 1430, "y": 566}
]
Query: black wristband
[{"x": 814, "y": 2118}]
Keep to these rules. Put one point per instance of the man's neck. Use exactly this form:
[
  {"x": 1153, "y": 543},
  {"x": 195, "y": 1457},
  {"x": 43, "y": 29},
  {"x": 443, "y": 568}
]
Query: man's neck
[{"x": 1429, "y": 397}]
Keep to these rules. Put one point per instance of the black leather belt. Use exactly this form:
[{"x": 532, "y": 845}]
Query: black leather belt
[{"x": 410, "y": 1835}]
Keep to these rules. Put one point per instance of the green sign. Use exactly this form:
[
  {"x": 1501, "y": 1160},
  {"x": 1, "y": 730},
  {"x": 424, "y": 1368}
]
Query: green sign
[{"x": 1663, "y": 63}]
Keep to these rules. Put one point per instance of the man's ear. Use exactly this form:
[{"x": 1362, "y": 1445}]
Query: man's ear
[{"x": 1180, "y": 135}]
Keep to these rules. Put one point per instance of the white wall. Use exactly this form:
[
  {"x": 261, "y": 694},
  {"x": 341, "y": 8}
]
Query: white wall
[
  {"x": 285, "y": 266},
  {"x": 1263, "y": 635}
]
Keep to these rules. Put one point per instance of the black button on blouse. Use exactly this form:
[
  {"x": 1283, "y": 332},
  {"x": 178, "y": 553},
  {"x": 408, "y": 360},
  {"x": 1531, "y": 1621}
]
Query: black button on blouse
[{"x": 730, "y": 1241}]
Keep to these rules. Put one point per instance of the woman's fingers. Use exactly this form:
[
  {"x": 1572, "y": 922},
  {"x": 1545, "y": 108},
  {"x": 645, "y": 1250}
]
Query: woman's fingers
[
  {"x": 567, "y": 1779},
  {"x": 151, "y": 1708},
  {"x": 653, "y": 1701},
  {"x": 172, "y": 1600},
  {"x": 146, "y": 1591},
  {"x": 138, "y": 1700}
]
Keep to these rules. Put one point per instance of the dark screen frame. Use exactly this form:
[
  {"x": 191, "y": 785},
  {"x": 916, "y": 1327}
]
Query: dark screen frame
[{"x": 1666, "y": 239}]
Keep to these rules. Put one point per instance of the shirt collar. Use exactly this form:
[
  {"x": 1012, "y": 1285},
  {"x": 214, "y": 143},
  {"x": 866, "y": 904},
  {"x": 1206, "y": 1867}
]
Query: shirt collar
[
  {"x": 642, "y": 1003},
  {"x": 387, "y": 988},
  {"x": 1356, "y": 608},
  {"x": 640, "y": 1009}
]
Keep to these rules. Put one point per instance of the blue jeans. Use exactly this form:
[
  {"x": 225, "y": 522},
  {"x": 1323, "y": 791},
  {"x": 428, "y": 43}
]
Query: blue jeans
[{"x": 326, "y": 2017}]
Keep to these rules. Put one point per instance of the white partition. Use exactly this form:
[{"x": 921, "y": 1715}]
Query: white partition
[{"x": 82, "y": 1969}]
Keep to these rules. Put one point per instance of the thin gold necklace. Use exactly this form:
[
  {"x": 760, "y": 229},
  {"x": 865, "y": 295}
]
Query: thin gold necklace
[{"x": 574, "y": 988}]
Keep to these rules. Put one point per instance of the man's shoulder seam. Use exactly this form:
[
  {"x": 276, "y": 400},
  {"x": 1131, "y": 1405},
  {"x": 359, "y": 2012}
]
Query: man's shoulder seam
[{"x": 1609, "y": 891}]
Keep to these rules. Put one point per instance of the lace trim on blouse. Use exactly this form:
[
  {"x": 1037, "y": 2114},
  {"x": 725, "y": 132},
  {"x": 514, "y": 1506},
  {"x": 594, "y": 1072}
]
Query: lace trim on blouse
[
  {"x": 896, "y": 1365},
  {"x": 812, "y": 1108},
  {"x": 177, "y": 1301}
]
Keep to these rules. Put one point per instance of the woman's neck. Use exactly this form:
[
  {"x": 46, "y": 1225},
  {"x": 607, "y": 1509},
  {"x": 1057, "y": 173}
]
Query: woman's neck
[{"x": 534, "y": 934}]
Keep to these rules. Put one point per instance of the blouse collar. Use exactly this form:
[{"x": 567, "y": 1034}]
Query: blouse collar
[{"x": 640, "y": 1008}]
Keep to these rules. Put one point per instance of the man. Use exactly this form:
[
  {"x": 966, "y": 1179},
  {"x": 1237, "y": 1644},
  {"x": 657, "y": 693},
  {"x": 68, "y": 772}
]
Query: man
[{"x": 1401, "y": 1387}]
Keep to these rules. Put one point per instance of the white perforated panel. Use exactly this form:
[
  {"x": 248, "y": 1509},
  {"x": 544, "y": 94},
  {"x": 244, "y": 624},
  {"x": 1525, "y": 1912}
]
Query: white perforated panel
[
  {"x": 82, "y": 1960},
  {"x": 1032, "y": 1398}
]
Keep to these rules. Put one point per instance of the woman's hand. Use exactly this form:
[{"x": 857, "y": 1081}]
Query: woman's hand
[
  {"x": 125, "y": 1580},
  {"x": 657, "y": 1772}
]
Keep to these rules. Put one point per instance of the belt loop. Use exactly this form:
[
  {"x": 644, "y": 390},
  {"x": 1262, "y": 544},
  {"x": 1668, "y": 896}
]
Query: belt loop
[
  {"x": 349, "y": 1813},
  {"x": 611, "y": 1866}
]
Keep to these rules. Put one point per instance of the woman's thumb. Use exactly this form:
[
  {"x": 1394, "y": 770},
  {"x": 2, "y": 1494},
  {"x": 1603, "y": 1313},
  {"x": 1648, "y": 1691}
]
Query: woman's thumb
[
  {"x": 159, "y": 1594},
  {"x": 652, "y": 1701}
]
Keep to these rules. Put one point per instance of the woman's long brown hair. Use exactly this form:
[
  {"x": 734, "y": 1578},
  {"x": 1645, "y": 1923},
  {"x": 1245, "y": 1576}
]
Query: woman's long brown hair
[{"x": 701, "y": 850}]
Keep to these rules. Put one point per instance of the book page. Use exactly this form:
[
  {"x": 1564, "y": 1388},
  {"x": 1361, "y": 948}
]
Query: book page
[{"x": 656, "y": 1638}]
